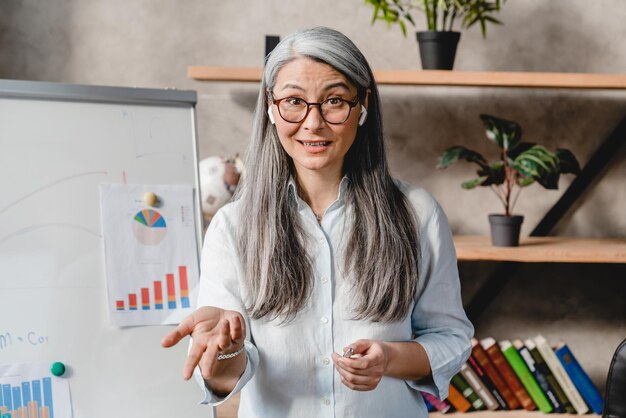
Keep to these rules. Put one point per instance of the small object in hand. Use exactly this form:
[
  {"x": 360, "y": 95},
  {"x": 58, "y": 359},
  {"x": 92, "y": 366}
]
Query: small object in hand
[
  {"x": 348, "y": 352},
  {"x": 58, "y": 369},
  {"x": 150, "y": 199}
]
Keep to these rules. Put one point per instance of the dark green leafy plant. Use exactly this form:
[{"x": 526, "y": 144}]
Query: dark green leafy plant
[
  {"x": 440, "y": 14},
  {"x": 520, "y": 164}
]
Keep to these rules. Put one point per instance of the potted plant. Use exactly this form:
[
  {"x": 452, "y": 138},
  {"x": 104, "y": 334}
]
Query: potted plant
[
  {"x": 438, "y": 44},
  {"x": 519, "y": 165}
]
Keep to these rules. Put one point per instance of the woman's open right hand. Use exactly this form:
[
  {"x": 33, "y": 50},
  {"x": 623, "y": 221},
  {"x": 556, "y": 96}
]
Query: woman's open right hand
[{"x": 213, "y": 331}]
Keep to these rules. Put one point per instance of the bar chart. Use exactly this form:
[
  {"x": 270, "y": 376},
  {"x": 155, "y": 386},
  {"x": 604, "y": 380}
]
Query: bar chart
[
  {"x": 30, "y": 399},
  {"x": 177, "y": 294}
]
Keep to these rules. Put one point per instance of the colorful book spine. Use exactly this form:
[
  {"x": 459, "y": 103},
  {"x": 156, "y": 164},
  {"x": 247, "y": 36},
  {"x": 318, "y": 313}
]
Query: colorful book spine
[
  {"x": 457, "y": 400},
  {"x": 507, "y": 373},
  {"x": 439, "y": 404},
  {"x": 473, "y": 363},
  {"x": 541, "y": 365},
  {"x": 524, "y": 353},
  {"x": 581, "y": 380},
  {"x": 466, "y": 390},
  {"x": 561, "y": 375},
  {"x": 479, "y": 387},
  {"x": 525, "y": 376},
  {"x": 490, "y": 370}
]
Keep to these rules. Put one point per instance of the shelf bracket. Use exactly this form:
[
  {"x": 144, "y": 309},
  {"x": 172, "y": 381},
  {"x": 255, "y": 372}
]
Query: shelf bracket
[{"x": 601, "y": 159}]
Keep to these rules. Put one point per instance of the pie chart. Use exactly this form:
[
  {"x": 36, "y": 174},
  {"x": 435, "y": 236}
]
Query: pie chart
[{"x": 149, "y": 227}]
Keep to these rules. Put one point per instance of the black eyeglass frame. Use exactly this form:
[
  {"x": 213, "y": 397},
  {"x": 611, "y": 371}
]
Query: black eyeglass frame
[{"x": 352, "y": 104}]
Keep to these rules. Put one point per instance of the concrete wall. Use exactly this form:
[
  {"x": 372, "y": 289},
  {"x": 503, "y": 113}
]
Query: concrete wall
[{"x": 150, "y": 43}]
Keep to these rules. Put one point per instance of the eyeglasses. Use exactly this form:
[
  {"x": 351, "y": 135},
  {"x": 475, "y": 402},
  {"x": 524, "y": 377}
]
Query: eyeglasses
[{"x": 334, "y": 110}]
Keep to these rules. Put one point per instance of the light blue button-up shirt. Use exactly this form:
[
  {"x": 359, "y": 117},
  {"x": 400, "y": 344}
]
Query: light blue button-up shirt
[{"x": 289, "y": 372}]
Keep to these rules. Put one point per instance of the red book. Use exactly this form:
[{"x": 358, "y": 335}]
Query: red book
[
  {"x": 490, "y": 370},
  {"x": 507, "y": 373}
]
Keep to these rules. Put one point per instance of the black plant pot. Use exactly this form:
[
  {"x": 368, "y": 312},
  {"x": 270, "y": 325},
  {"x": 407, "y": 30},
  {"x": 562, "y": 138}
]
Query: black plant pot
[
  {"x": 505, "y": 230},
  {"x": 437, "y": 49}
]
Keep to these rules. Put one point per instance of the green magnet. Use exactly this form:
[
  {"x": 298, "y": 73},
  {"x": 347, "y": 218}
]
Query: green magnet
[{"x": 58, "y": 369}]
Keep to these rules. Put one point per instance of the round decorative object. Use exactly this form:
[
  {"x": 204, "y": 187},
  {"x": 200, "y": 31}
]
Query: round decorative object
[
  {"x": 57, "y": 369},
  {"x": 219, "y": 177}
]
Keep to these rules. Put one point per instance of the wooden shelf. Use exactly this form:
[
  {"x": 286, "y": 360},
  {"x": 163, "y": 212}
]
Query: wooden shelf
[
  {"x": 543, "y": 250},
  {"x": 443, "y": 78}
]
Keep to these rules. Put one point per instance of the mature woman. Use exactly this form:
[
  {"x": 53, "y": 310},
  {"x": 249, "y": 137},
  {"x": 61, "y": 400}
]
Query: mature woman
[{"x": 328, "y": 288}]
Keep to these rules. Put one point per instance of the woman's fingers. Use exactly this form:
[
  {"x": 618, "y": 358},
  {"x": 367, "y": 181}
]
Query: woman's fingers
[
  {"x": 205, "y": 317},
  {"x": 237, "y": 328},
  {"x": 196, "y": 351},
  {"x": 208, "y": 361},
  {"x": 216, "y": 343},
  {"x": 359, "y": 382},
  {"x": 182, "y": 330}
]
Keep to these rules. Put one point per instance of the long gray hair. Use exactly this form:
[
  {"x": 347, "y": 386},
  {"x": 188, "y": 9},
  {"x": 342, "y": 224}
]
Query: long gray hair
[{"x": 381, "y": 252}]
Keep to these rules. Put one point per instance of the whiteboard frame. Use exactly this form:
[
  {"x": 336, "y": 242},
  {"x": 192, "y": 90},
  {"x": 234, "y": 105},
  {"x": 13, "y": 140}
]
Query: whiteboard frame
[{"x": 43, "y": 90}]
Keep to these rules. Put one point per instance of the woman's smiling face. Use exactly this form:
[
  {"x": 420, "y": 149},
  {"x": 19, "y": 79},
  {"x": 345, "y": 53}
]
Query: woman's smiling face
[{"x": 314, "y": 144}]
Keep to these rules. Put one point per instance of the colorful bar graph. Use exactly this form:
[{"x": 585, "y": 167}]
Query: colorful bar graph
[
  {"x": 171, "y": 292},
  {"x": 24, "y": 400},
  {"x": 184, "y": 287},
  {"x": 158, "y": 295},
  {"x": 145, "y": 298}
]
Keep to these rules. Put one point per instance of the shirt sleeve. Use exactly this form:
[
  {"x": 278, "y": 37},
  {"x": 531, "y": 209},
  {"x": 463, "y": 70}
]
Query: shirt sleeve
[
  {"x": 439, "y": 322},
  {"x": 220, "y": 273}
]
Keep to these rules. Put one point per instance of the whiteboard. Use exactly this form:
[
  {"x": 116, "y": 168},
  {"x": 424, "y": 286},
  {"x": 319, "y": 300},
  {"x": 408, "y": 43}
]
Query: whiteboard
[{"x": 58, "y": 143}]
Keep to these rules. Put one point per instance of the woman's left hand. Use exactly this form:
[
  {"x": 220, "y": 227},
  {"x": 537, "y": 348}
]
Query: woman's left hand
[{"x": 364, "y": 370}]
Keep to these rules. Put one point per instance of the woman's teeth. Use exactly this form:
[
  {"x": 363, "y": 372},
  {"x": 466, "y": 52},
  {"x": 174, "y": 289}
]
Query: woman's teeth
[{"x": 315, "y": 144}]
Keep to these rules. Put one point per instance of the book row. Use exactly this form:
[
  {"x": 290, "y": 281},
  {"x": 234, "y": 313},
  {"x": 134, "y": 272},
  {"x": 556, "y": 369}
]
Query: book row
[{"x": 516, "y": 374}]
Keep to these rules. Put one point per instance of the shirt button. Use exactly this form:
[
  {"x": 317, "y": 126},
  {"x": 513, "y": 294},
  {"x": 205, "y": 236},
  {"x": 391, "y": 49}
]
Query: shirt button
[
  {"x": 326, "y": 361},
  {"x": 326, "y": 402},
  {"x": 324, "y": 279},
  {"x": 324, "y": 320}
]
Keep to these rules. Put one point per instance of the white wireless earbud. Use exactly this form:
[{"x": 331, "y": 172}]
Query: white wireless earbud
[
  {"x": 270, "y": 114},
  {"x": 362, "y": 115}
]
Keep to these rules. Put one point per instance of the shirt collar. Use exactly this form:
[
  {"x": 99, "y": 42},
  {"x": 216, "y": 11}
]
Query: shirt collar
[{"x": 292, "y": 188}]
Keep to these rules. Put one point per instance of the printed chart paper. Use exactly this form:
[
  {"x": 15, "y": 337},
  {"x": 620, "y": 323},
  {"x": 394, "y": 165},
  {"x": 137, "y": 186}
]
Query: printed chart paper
[
  {"x": 151, "y": 255},
  {"x": 30, "y": 390}
]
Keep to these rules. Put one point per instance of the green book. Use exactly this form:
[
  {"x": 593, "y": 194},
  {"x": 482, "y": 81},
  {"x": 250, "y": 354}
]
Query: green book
[
  {"x": 541, "y": 364},
  {"x": 466, "y": 390},
  {"x": 525, "y": 376}
]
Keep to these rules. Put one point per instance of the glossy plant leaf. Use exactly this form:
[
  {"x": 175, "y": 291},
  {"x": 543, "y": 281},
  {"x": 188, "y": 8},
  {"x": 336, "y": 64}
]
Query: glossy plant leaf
[
  {"x": 470, "y": 184},
  {"x": 567, "y": 161},
  {"x": 540, "y": 164},
  {"x": 454, "y": 154},
  {"x": 505, "y": 133}
]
